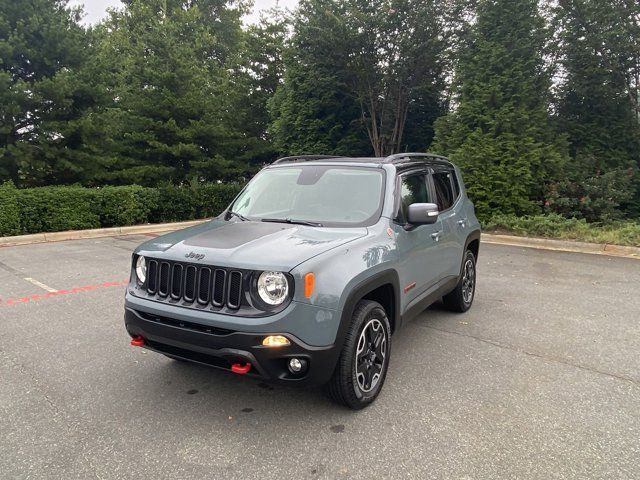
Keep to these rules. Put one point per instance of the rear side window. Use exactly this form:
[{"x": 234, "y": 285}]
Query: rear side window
[
  {"x": 445, "y": 194},
  {"x": 413, "y": 189},
  {"x": 456, "y": 185}
]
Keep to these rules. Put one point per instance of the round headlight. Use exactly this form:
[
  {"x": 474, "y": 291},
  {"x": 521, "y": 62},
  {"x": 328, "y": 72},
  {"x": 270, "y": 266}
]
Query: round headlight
[
  {"x": 141, "y": 269},
  {"x": 273, "y": 287}
]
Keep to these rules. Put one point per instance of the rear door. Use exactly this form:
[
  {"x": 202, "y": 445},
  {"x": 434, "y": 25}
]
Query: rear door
[
  {"x": 419, "y": 247},
  {"x": 447, "y": 194}
]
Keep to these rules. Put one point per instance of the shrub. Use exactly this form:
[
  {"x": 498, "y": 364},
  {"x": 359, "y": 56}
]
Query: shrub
[
  {"x": 9, "y": 210},
  {"x": 51, "y": 209},
  {"x": 213, "y": 198},
  {"x": 557, "y": 226},
  {"x": 590, "y": 193},
  {"x": 199, "y": 200},
  {"x": 129, "y": 205},
  {"x": 173, "y": 204}
]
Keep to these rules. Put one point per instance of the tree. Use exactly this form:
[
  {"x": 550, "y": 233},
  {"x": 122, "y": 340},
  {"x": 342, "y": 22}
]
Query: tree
[
  {"x": 598, "y": 106},
  {"x": 360, "y": 70},
  {"x": 261, "y": 72},
  {"x": 173, "y": 103},
  {"x": 500, "y": 133},
  {"x": 314, "y": 110},
  {"x": 42, "y": 49},
  {"x": 398, "y": 59}
]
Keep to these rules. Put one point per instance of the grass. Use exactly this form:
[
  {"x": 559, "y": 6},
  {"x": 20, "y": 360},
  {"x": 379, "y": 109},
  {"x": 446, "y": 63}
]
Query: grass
[{"x": 625, "y": 232}]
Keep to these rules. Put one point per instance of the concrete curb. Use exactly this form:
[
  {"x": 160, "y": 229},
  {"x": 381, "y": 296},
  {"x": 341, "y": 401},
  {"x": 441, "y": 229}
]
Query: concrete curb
[
  {"x": 95, "y": 233},
  {"x": 563, "y": 245},
  {"x": 528, "y": 242}
]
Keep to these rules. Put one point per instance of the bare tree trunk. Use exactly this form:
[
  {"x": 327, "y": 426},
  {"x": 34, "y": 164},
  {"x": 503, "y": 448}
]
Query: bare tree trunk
[
  {"x": 403, "y": 121},
  {"x": 400, "y": 118},
  {"x": 381, "y": 116},
  {"x": 374, "y": 125}
]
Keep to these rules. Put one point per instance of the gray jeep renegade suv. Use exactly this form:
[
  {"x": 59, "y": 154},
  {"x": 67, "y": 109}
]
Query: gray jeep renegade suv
[{"x": 305, "y": 276}]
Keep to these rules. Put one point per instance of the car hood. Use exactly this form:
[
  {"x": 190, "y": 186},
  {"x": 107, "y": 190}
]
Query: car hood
[{"x": 248, "y": 245}]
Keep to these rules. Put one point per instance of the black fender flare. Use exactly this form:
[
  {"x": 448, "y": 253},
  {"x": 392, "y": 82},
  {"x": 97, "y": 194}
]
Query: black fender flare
[
  {"x": 366, "y": 286},
  {"x": 475, "y": 235}
]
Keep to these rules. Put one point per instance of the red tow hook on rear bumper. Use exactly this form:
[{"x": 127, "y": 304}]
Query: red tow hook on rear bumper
[
  {"x": 137, "y": 341},
  {"x": 240, "y": 369}
]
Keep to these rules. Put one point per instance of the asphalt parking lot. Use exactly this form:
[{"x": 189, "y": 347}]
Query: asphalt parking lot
[{"x": 541, "y": 380}]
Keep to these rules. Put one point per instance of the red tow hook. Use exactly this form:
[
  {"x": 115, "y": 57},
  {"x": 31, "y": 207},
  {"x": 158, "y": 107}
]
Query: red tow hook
[
  {"x": 137, "y": 341},
  {"x": 240, "y": 369}
]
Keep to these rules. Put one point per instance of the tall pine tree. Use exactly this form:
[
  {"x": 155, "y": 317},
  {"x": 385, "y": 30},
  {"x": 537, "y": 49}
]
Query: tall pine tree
[
  {"x": 42, "y": 94},
  {"x": 500, "y": 133},
  {"x": 262, "y": 70},
  {"x": 173, "y": 115},
  {"x": 314, "y": 110},
  {"x": 598, "y": 107}
]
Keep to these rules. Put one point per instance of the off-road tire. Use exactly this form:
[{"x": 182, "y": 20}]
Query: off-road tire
[
  {"x": 344, "y": 386},
  {"x": 459, "y": 299}
]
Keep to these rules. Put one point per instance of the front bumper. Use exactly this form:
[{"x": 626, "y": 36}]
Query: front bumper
[{"x": 220, "y": 348}]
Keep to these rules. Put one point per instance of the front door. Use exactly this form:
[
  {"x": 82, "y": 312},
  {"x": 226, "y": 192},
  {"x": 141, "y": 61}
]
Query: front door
[
  {"x": 447, "y": 194},
  {"x": 419, "y": 247}
]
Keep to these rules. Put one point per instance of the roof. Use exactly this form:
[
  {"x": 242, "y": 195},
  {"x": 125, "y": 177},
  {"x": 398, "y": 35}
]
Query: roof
[{"x": 399, "y": 159}]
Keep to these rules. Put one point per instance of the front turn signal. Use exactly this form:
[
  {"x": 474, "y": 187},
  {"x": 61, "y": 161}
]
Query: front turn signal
[{"x": 309, "y": 283}]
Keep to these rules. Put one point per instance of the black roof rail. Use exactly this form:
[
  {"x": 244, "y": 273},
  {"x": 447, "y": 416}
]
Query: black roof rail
[
  {"x": 304, "y": 158},
  {"x": 397, "y": 158},
  {"x": 413, "y": 156}
]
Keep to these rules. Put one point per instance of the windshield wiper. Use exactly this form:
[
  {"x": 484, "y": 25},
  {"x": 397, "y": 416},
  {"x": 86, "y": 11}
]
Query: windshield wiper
[
  {"x": 231, "y": 213},
  {"x": 293, "y": 221}
]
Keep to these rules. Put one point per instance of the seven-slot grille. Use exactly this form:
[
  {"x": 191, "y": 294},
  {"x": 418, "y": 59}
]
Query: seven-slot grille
[{"x": 195, "y": 284}]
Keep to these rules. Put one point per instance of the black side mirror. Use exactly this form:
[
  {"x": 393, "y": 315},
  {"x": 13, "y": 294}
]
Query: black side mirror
[{"x": 422, "y": 213}]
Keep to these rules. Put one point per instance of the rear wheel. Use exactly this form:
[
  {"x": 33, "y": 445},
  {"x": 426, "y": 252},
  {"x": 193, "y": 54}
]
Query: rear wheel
[
  {"x": 461, "y": 298},
  {"x": 364, "y": 360}
]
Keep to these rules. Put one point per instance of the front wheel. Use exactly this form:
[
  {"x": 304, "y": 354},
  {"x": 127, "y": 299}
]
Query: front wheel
[
  {"x": 364, "y": 360},
  {"x": 461, "y": 298}
]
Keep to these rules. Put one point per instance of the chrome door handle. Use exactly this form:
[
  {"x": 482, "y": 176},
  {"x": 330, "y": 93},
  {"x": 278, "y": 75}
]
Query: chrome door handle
[{"x": 436, "y": 235}]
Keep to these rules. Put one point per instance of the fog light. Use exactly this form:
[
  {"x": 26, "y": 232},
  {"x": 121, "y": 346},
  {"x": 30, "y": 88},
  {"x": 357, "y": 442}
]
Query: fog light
[
  {"x": 275, "y": 341},
  {"x": 297, "y": 365}
]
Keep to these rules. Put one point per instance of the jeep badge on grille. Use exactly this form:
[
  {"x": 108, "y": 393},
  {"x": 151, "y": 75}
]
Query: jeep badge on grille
[{"x": 197, "y": 256}]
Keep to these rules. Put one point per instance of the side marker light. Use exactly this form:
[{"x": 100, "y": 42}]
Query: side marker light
[{"x": 309, "y": 284}]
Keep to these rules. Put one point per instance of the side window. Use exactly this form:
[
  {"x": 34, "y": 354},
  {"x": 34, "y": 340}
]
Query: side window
[
  {"x": 413, "y": 189},
  {"x": 445, "y": 195},
  {"x": 456, "y": 185}
]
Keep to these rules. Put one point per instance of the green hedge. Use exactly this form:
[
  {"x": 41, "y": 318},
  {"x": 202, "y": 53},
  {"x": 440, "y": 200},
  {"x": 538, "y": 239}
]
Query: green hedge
[
  {"x": 52, "y": 209},
  {"x": 556, "y": 226},
  {"x": 9, "y": 210}
]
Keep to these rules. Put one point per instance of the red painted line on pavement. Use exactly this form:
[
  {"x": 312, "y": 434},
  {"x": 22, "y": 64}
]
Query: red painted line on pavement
[{"x": 70, "y": 291}]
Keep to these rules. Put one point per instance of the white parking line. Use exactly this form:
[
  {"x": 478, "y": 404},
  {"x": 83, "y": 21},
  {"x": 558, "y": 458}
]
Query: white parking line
[{"x": 40, "y": 284}]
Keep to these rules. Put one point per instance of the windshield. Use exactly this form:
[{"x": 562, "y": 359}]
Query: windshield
[{"x": 326, "y": 195}]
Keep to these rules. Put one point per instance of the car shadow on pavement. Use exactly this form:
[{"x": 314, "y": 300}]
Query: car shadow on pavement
[
  {"x": 182, "y": 385},
  {"x": 214, "y": 388}
]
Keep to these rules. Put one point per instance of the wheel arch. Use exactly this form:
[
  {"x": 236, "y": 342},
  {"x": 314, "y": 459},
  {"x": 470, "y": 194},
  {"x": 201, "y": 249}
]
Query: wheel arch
[
  {"x": 473, "y": 243},
  {"x": 382, "y": 287}
]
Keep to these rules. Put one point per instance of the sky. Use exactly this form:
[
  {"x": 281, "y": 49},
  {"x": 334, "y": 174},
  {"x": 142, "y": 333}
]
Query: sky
[{"x": 95, "y": 10}]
